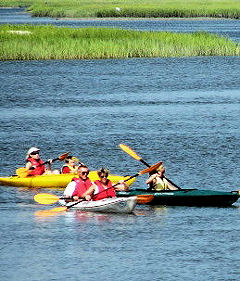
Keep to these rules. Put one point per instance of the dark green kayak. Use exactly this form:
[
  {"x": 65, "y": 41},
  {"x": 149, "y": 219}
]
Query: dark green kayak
[{"x": 187, "y": 197}]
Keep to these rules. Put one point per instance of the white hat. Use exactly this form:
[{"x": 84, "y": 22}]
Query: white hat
[{"x": 32, "y": 149}]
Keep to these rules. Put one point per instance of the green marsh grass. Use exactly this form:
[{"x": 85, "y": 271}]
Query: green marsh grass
[
  {"x": 129, "y": 8},
  {"x": 26, "y": 42}
]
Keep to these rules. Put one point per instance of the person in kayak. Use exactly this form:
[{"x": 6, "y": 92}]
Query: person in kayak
[
  {"x": 70, "y": 166},
  {"x": 157, "y": 181},
  {"x": 104, "y": 188},
  {"x": 34, "y": 163},
  {"x": 77, "y": 188}
]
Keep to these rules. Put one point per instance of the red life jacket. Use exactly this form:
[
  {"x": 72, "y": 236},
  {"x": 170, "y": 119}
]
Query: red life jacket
[
  {"x": 104, "y": 192},
  {"x": 68, "y": 169},
  {"x": 37, "y": 164},
  {"x": 81, "y": 186}
]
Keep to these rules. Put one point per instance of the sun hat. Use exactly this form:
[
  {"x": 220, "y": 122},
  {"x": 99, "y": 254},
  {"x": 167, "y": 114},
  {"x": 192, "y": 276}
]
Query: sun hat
[{"x": 31, "y": 150}]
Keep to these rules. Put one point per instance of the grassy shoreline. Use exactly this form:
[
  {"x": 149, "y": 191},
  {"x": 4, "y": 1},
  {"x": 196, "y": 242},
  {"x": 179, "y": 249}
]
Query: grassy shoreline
[
  {"x": 26, "y": 42},
  {"x": 129, "y": 8}
]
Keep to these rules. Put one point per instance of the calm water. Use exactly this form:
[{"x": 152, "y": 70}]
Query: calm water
[{"x": 183, "y": 111}]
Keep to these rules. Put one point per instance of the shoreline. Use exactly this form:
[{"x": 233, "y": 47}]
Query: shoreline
[{"x": 143, "y": 18}]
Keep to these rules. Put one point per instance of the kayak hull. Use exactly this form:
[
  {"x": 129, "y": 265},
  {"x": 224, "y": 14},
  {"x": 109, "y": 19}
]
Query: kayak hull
[
  {"x": 53, "y": 181},
  {"x": 120, "y": 205},
  {"x": 188, "y": 197}
]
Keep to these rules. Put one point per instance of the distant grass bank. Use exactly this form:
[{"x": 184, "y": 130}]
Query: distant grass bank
[
  {"x": 28, "y": 42},
  {"x": 129, "y": 8}
]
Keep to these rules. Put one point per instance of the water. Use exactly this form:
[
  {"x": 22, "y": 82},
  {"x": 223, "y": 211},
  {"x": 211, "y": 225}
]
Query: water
[{"x": 184, "y": 111}]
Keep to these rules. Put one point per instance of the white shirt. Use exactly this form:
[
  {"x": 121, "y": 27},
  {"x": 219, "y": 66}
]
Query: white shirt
[{"x": 68, "y": 192}]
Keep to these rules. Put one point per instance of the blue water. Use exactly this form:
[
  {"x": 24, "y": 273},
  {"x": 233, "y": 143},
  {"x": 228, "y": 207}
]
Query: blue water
[{"x": 183, "y": 111}]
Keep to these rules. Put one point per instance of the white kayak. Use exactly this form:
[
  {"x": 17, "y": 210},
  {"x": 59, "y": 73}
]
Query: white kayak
[{"x": 122, "y": 205}]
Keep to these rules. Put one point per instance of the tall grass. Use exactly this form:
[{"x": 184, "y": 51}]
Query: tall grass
[
  {"x": 48, "y": 42},
  {"x": 129, "y": 8}
]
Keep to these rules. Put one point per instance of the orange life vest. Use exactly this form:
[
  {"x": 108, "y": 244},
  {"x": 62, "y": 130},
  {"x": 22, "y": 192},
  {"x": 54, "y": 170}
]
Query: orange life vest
[
  {"x": 39, "y": 169},
  {"x": 69, "y": 170},
  {"x": 104, "y": 192},
  {"x": 81, "y": 186}
]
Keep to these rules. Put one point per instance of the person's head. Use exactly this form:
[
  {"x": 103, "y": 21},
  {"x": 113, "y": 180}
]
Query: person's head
[
  {"x": 103, "y": 174},
  {"x": 83, "y": 172},
  {"x": 161, "y": 170},
  {"x": 33, "y": 152},
  {"x": 70, "y": 160}
]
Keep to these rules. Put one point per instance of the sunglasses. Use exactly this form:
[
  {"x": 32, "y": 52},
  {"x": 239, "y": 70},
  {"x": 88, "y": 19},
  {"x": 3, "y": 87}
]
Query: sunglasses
[
  {"x": 84, "y": 173},
  {"x": 35, "y": 153},
  {"x": 103, "y": 176}
]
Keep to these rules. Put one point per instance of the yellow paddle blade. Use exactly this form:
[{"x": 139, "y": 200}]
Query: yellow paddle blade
[
  {"x": 144, "y": 199},
  {"x": 150, "y": 169},
  {"x": 22, "y": 172},
  {"x": 46, "y": 198},
  {"x": 129, "y": 151}
]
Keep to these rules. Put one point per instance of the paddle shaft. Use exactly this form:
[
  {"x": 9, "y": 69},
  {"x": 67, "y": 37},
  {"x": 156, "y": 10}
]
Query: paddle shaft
[{"x": 47, "y": 162}]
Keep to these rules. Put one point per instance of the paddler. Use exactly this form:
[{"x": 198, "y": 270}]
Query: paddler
[
  {"x": 157, "y": 180},
  {"x": 34, "y": 163},
  {"x": 104, "y": 187},
  {"x": 71, "y": 165},
  {"x": 78, "y": 187}
]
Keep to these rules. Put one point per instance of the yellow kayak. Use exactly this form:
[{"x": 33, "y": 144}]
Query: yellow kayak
[{"x": 54, "y": 181}]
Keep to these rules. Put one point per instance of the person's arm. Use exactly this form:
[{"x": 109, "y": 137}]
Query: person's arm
[
  {"x": 87, "y": 194},
  {"x": 151, "y": 178},
  {"x": 49, "y": 168},
  {"x": 68, "y": 192},
  {"x": 28, "y": 165},
  {"x": 121, "y": 186}
]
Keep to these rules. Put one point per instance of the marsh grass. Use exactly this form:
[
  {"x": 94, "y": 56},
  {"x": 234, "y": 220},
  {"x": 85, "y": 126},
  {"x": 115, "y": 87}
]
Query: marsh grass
[
  {"x": 129, "y": 8},
  {"x": 26, "y": 42}
]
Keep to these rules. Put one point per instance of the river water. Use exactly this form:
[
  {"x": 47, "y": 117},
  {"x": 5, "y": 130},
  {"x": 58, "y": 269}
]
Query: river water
[{"x": 183, "y": 111}]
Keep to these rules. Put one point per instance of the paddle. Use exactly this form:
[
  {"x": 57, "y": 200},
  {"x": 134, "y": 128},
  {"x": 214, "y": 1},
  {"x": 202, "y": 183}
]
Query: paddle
[
  {"x": 133, "y": 154},
  {"x": 23, "y": 172}
]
